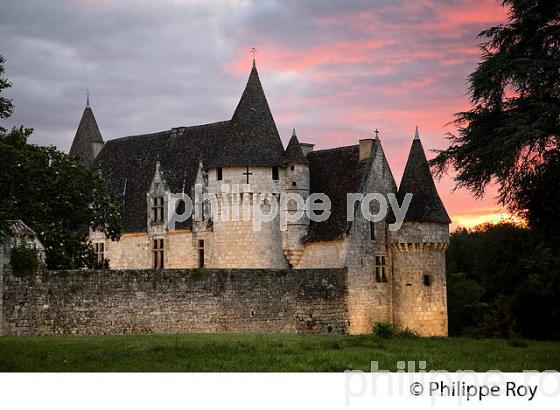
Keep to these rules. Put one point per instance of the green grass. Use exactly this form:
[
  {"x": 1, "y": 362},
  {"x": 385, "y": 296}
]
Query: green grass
[{"x": 270, "y": 352}]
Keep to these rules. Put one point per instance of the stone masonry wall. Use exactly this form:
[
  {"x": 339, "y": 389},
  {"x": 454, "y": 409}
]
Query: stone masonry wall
[
  {"x": 370, "y": 301},
  {"x": 418, "y": 250},
  {"x": 168, "y": 301}
]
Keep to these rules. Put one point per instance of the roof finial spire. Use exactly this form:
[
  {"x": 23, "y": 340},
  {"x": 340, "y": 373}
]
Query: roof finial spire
[
  {"x": 87, "y": 97},
  {"x": 376, "y": 134},
  {"x": 254, "y": 52},
  {"x": 416, "y": 134},
  {"x": 294, "y": 132}
]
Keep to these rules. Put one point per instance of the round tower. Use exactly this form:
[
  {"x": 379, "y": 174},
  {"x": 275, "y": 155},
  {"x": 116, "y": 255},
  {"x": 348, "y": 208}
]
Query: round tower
[
  {"x": 418, "y": 252},
  {"x": 246, "y": 178}
]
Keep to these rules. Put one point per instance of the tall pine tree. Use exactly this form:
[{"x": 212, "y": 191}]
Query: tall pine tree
[{"x": 511, "y": 136}]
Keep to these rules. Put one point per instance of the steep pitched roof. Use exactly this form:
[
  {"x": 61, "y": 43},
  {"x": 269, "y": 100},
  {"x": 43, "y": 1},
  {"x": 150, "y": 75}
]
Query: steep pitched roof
[
  {"x": 131, "y": 162},
  {"x": 426, "y": 205},
  {"x": 294, "y": 154},
  {"x": 87, "y": 133},
  {"x": 335, "y": 172},
  {"x": 17, "y": 227},
  {"x": 252, "y": 138}
]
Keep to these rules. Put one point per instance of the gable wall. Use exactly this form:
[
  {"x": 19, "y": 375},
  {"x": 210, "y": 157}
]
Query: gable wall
[{"x": 369, "y": 301}]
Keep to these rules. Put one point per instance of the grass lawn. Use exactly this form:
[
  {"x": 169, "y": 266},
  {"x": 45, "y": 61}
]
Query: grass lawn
[{"x": 268, "y": 352}]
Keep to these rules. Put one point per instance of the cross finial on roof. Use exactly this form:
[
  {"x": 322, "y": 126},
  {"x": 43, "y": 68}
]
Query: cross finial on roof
[
  {"x": 254, "y": 52},
  {"x": 87, "y": 97},
  {"x": 416, "y": 134},
  {"x": 376, "y": 134}
]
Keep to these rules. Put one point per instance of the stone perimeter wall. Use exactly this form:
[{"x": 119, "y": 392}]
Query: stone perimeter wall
[{"x": 169, "y": 301}]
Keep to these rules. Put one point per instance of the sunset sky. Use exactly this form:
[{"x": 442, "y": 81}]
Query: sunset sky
[{"x": 334, "y": 70}]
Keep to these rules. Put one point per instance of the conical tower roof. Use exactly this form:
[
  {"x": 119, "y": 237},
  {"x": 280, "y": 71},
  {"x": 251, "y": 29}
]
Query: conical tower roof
[
  {"x": 87, "y": 134},
  {"x": 426, "y": 205},
  {"x": 254, "y": 138},
  {"x": 294, "y": 154}
]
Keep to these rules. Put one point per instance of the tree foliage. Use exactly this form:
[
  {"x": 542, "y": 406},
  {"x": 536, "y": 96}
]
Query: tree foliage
[
  {"x": 502, "y": 282},
  {"x": 54, "y": 194},
  {"x": 6, "y": 106},
  {"x": 512, "y": 134}
]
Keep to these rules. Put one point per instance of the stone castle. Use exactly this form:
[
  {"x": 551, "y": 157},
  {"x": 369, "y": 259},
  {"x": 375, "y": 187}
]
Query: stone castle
[{"x": 396, "y": 277}]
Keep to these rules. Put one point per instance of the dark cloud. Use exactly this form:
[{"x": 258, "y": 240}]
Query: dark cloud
[{"x": 335, "y": 69}]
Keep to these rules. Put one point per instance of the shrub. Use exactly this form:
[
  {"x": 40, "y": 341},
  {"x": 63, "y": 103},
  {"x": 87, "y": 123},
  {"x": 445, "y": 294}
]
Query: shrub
[
  {"x": 409, "y": 334},
  {"x": 383, "y": 330},
  {"x": 24, "y": 259}
]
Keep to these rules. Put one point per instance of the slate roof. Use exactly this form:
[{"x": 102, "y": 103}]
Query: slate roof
[
  {"x": 133, "y": 159},
  {"x": 426, "y": 205},
  {"x": 294, "y": 154},
  {"x": 87, "y": 133},
  {"x": 335, "y": 172},
  {"x": 252, "y": 137},
  {"x": 16, "y": 227}
]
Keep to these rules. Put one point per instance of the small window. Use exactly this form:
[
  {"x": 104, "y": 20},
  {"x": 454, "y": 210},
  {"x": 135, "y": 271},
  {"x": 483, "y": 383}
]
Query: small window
[
  {"x": 158, "y": 255},
  {"x": 380, "y": 269},
  {"x": 157, "y": 209},
  {"x": 292, "y": 167},
  {"x": 201, "y": 253},
  {"x": 219, "y": 174},
  {"x": 372, "y": 230},
  {"x": 99, "y": 248},
  {"x": 294, "y": 183},
  {"x": 275, "y": 173},
  {"x": 427, "y": 280}
]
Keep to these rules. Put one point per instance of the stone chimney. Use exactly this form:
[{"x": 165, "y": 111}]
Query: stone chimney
[
  {"x": 306, "y": 147},
  {"x": 366, "y": 145}
]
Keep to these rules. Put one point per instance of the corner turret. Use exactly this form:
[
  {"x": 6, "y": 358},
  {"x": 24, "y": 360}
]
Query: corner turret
[{"x": 418, "y": 251}]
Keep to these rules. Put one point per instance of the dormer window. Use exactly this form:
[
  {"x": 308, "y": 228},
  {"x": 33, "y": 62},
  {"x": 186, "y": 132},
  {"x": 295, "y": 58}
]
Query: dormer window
[
  {"x": 157, "y": 209},
  {"x": 275, "y": 173},
  {"x": 219, "y": 174}
]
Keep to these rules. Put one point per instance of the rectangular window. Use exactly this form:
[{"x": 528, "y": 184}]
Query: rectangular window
[
  {"x": 158, "y": 254},
  {"x": 157, "y": 209},
  {"x": 292, "y": 168},
  {"x": 275, "y": 173},
  {"x": 372, "y": 231},
  {"x": 380, "y": 269},
  {"x": 219, "y": 174},
  {"x": 201, "y": 253},
  {"x": 427, "y": 280},
  {"x": 99, "y": 248}
]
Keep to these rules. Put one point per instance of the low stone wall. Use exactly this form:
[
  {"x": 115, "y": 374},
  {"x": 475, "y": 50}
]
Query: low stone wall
[{"x": 169, "y": 301}]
